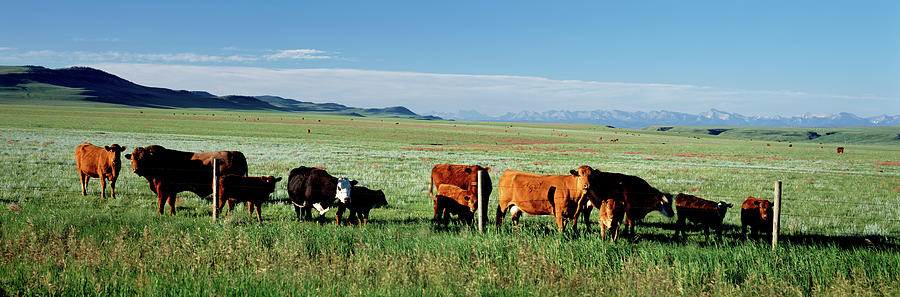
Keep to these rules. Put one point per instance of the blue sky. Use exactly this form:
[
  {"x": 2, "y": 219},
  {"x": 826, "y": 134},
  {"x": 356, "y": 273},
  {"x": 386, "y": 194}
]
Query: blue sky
[{"x": 746, "y": 57}]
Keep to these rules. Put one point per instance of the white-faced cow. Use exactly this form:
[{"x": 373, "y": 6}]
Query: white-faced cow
[{"x": 310, "y": 187}]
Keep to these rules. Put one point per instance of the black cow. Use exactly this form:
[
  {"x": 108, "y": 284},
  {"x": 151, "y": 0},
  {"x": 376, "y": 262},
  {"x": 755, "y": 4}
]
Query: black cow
[
  {"x": 364, "y": 199},
  {"x": 170, "y": 172},
  {"x": 310, "y": 187}
]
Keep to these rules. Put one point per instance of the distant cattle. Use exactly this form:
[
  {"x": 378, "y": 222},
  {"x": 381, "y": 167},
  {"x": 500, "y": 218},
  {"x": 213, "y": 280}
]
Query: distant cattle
[
  {"x": 170, "y": 172},
  {"x": 310, "y": 187},
  {"x": 562, "y": 196},
  {"x": 364, "y": 199},
  {"x": 463, "y": 176},
  {"x": 640, "y": 198},
  {"x": 452, "y": 199},
  {"x": 756, "y": 214},
  {"x": 840, "y": 150},
  {"x": 253, "y": 189},
  {"x": 701, "y": 211},
  {"x": 100, "y": 162}
]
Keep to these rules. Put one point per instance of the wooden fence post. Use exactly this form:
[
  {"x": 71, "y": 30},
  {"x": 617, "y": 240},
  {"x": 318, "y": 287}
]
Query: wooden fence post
[
  {"x": 215, "y": 190},
  {"x": 482, "y": 203},
  {"x": 776, "y": 214}
]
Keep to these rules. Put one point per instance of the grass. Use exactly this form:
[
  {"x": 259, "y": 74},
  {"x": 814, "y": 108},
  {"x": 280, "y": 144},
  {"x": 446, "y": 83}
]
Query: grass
[
  {"x": 841, "y": 236},
  {"x": 886, "y": 135}
]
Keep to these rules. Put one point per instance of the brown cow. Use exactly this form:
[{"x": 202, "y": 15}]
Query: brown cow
[
  {"x": 463, "y": 176},
  {"x": 840, "y": 150},
  {"x": 611, "y": 213},
  {"x": 700, "y": 211},
  {"x": 757, "y": 214},
  {"x": 561, "y": 196},
  {"x": 170, "y": 172},
  {"x": 452, "y": 199},
  {"x": 364, "y": 199},
  {"x": 253, "y": 189},
  {"x": 640, "y": 198},
  {"x": 101, "y": 162}
]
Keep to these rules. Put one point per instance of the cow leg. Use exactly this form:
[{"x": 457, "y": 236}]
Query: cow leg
[
  {"x": 437, "y": 210},
  {"x": 84, "y": 180},
  {"x": 340, "y": 212},
  {"x": 102, "y": 186},
  {"x": 587, "y": 218},
  {"x": 499, "y": 217},
  {"x": 258, "y": 207},
  {"x": 172, "y": 204},
  {"x": 162, "y": 202},
  {"x": 112, "y": 187},
  {"x": 680, "y": 225}
]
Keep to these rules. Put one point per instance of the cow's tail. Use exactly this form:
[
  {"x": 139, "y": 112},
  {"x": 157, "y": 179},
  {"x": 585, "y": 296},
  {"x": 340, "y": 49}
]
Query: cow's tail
[{"x": 431, "y": 189}]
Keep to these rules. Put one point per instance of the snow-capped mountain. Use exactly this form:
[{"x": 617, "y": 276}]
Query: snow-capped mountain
[{"x": 640, "y": 119}]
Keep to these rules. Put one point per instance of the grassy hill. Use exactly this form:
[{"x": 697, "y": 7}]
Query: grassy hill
[
  {"x": 841, "y": 135},
  {"x": 83, "y": 86}
]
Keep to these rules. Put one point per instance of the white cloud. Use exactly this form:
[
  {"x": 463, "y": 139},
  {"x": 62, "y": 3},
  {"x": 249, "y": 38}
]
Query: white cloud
[
  {"x": 298, "y": 54},
  {"x": 5, "y": 48},
  {"x": 82, "y": 57},
  {"x": 490, "y": 94}
]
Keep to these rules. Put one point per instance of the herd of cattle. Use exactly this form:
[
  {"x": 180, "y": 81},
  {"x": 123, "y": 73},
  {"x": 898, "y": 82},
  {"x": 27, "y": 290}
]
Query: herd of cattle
[{"x": 620, "y": 198}]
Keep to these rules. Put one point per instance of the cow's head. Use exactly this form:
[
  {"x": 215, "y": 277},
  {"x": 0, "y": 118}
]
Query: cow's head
[
  {"x": 473, "y": 202},
  {"x": 665, "y": 204},
  {"x": 139, "y": 159},
  {"x": 270, "y": 182},
  {"x": 765, "y": 209},
  {"x": 343, "y": 189},
  {"x": 379, "y": 200},
  {"x": 722, "y": 207},
  {"x": 115, "y": 156},
  {"x": 583, "y": 176}
]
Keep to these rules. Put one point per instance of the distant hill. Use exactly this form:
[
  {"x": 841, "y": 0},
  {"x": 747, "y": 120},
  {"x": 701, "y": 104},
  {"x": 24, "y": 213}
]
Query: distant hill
[
  {"x": 640, "y": 119},
  {"x": 840, "y": 135},
  {"x": 84, "y": 85}
]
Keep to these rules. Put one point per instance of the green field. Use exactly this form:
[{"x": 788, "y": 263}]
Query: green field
[{"x": 840, "y": 228}]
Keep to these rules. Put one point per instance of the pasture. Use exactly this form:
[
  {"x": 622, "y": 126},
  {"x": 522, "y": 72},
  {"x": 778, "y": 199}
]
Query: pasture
[{"x": 840, "y": 228}]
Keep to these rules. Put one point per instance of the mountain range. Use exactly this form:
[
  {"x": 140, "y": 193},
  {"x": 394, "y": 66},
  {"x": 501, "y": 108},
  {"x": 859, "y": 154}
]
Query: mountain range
[
  {"x": 640, "y": 119},
  {"x": 79, "y": 85}
]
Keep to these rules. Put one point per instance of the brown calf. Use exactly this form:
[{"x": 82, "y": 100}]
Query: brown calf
[
  {"x": 700, "y": 211},
  {"x": 253, "y": 189},
  {"x": 611, "y": 213},
  {"x": 100, "y": 162},
  {"x": 840, "y": 150},
  {"x": 757, "y": 214},
  {"x": 453, "y": 199}
]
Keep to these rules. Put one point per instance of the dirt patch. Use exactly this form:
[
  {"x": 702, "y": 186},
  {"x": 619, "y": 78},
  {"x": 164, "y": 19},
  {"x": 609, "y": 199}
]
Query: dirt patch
[{"x": 888, "y": 163}]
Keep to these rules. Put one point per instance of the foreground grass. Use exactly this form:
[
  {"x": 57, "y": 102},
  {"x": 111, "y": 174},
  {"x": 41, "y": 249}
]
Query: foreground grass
[{"x": 53, "y": 241}]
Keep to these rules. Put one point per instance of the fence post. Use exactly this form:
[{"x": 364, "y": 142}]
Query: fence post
[
  {"x": 776, "y": 214},
  {"x": 215, "y": 190},
  {"x": 482, "y": 203}
]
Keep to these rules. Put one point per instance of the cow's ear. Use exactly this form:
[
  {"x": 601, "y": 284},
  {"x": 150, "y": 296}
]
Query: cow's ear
[
  {"x": 353, "y": 182},
  {"x": 730, "y": 205},
  {"x": 487, "y": 169},
  {"x": 573, "y": 172},
  {"x": 107, "y": 148},
  {"x": 128, "y": 156},
  {"x": 123, "y": 148}
]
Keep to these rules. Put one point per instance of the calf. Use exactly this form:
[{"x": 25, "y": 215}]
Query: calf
[
  {"x": 757, "y": 214},
  {"x": 455, "y": 200},
  {"x": 611, "y": 213},
  {"x": 363, "y": 201},
  {"x": 701, "y": 211},
  {"x": 101, "y": 162},
  {"x": 253, "y": 189}
]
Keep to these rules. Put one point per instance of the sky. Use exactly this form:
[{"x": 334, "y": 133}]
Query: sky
[{"x": 750, "y": 57}]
